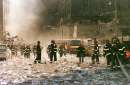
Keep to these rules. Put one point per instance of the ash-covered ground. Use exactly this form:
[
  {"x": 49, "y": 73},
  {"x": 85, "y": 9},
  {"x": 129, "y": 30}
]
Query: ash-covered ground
[{"x": 66, "y": 71}]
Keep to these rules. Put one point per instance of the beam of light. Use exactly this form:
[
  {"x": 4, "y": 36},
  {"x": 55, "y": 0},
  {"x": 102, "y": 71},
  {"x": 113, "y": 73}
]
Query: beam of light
[
  {"x": 23, "y": 16},
  {"x": 12, "y": 18}
]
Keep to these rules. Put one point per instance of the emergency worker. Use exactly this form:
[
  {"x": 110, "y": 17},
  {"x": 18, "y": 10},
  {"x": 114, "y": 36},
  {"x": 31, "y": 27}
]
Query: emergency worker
[
  {"x": 115, "y": 51},
  {"x": 121, "y": 53},
  {"x": 49, "y": 51},
  {"x": 53, "y": 51},
  {"x": 61, "y": 50},
  {"x": 108, "y": 52},
  {"x": 38, "y": 53},
  {"x": 27, "y": 51},
  {"x": 95, "y": 54},
  {"x": 81, "y": 53},
  {"x": 34, "y": 50}
]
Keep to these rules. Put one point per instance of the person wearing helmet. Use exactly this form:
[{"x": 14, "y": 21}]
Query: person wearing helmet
[
  {"x": 95, "y": 54},
  {"x": 81, "y": 53},
  {"x": 107, "y": 52},
  {"x": 115, "y": 51},
  {"x": 38, "y": 53},
  {"x": 53, "y": 51}
]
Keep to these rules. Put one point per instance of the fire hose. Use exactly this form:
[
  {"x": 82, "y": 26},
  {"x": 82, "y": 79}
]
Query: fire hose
[{"x": 123, "y": 69}]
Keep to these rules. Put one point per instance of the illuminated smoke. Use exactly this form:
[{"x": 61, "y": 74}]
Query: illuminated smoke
[{"x": 25, "y": 17}]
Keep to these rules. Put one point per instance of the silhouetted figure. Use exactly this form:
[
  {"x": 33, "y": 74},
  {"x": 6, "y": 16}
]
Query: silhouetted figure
[
  {"x": 108, "y": 52},
  {"x": 81, "y": 53},
  {"x": 27, "y": 51},
  {"x": 95, "y": 55},
  {"x": 38, "y": 53},
  {"x": 53, "y": 51}
]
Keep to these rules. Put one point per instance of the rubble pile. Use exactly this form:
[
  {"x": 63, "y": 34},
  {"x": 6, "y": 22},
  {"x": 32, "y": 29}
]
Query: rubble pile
[
  {"x": 82, "y": 77},
  {"x": 21, "y": 71},
  {"x": 14, "y": 71}
]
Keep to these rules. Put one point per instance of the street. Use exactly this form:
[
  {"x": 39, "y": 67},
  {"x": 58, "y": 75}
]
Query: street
[{"x": 66, "y": 71}]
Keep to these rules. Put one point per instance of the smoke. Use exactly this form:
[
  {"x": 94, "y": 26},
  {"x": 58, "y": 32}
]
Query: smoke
[{"x": 26, "y": 18}]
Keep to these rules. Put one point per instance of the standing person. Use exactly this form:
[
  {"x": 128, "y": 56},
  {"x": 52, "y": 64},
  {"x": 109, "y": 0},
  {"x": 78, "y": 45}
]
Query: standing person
[
  {"x": 49, "y": 51},
  {"x": 53, "y": 51},
  {"x": 38, "y": 53},
  {"x": 22, "y": 49},
  {"x": 121, "y": 55},
  {"x": 34, "y": 50},
  {"x": 108, "y": 52},
  {"x": 27, "y": 51},
  {"x": 115, "y": 50},
  {"x": 81, "y": 53},
  {"x": 61, "y": 50},
  {"x": 95, "y": 54},
  {"x": 13, "y": 51}
]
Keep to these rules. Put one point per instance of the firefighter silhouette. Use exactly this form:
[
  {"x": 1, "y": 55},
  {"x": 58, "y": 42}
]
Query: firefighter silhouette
[
  {"x": 22, "y": 48},
  {"x": 27, "y": 51},
  {"x": 49, "y": 51},
  {"x": 95, "y": 54},
  {"x": 62, "y": 50},
  {"x": 81, "y": 53},
  {"x": 53, "y": 51},
  {"x": 122, "y": 51},
  {"x": 38, "y": 53},
  {"x": 13, "y": 50},
  {"x": 108, "y": 52},
  {"x": 115, "y": 50},
  {"x": 34, "y": 50}
]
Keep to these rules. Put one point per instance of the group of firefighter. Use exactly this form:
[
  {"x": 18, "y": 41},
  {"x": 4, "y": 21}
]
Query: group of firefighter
[
  {"x": 52, "y": 50},
  {"x": 114, "y": 52}
]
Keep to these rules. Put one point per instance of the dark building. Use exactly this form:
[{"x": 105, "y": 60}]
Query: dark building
[{"x": 92, "y": 9}]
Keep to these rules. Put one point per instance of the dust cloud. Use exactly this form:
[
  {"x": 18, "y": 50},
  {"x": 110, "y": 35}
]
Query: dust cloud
[{"x": 26, "y": 19}]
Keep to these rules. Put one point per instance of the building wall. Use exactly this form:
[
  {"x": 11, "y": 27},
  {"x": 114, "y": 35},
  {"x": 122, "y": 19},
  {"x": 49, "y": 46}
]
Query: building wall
[{"x": 1, "y": 19}]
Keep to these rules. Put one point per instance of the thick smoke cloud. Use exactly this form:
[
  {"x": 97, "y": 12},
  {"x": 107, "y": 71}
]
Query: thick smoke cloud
[{"x": 26, "y": 18}]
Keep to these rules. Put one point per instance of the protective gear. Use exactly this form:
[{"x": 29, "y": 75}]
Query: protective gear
[
  {"x": 81, "y": 53},
  {"x": 121, "y": 54},
  {"x": 62, "y": 50},
  {"x": 34, "y": 50},
  {"x": 27, "y": 51},
  {"x": 53, "y": 51},
  {"x": 38, "y": 52},
  {"x": 115, "y": 50},
  {"x": 108, "y": 52},
  {"x": 95, "y": 54}
]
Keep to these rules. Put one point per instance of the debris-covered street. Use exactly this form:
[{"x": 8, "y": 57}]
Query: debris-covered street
[{"x": 21, "y": 71}]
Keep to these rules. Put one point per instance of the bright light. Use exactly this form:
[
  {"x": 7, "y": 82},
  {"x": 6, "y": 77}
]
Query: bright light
[
  {"x": 21, "y": 15},
  {"x": 12, "y": 20}
]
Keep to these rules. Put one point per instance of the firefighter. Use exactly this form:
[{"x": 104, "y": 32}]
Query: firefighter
[
  {"x": 61, "y": 50},
  {"x": 81, "y": 53},
  {"x": 108, "y": 52},
  {"x": 121, "y": 54},
  {"x": 53, "y": 51},
  {"x": 27, "y": 51},
  {"x": 115, "y": 51},
  {"x": 95, "y": 54},
  {"x": 38, "y": 53},
  {"x": 13, "y": 50},
  {"x": 34, "y": 50},
  {"x": 49, "y": 51},
  {"x": 22, "y": 48}
]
